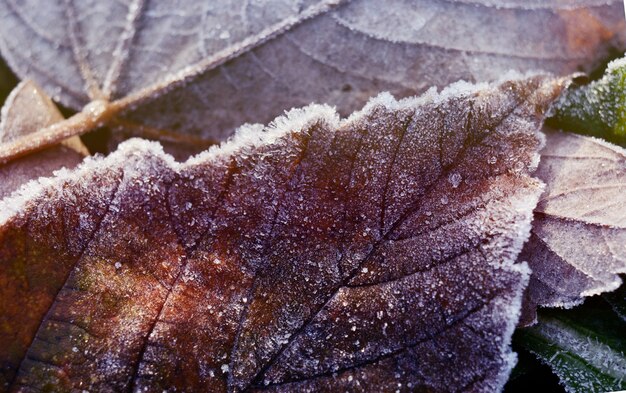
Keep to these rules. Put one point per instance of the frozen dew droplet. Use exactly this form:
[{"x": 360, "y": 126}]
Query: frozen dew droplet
[
  {"x": 74, "y": 349},
  {"x": 118, "y": 265},
  {"x": 492, "y": 160},
  {"x": 455, "y": 179},
  {"x": 224, "y": 368},
  {"x": 444, "y": 200}
]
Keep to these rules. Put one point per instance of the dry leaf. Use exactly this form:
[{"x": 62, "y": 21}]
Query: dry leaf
[
  {"x": 27, "y": 110},
  {"x": 203, "y": 68},
  {"x": 578, "y": 241},
  {"x": 316, "y": 254}
]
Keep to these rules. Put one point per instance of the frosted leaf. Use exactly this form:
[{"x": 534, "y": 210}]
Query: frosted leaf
[
  {"x": 584, "y": 347},
  {"x": 202, "y": 68},
  {"x": 577, "y": 245},
  {"x": 598, "y": 108},
  {"x": 306, "y": 262},
  {"x": 26, "y": 110}
]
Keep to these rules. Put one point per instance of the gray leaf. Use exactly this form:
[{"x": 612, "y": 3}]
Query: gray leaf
[{"x": 166, "y": 65}]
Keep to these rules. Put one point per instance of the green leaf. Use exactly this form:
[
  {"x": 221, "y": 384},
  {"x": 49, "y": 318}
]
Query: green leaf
[
  {"x": 598, "y": 108},
  {"x": 584, "y": 347}
]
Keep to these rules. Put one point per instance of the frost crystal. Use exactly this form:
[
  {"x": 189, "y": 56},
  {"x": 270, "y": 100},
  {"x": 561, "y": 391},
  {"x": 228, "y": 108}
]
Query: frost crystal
[{"x": 455, "y": 179}]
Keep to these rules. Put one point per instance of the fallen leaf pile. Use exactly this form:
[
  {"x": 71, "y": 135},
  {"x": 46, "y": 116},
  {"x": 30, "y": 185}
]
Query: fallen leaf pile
[{"x": 361, "y": 244}]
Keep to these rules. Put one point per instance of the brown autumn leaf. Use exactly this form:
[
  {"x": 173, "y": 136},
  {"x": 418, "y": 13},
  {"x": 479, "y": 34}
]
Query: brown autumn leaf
[
  {"x": 376, "y": 252},
  {"x": 26, "y": 110},
  {"x": 577, "y": 245},
  {"x": 179, "y": 71}
]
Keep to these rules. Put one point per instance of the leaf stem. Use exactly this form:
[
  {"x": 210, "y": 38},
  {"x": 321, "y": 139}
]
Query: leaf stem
[{"x": 94, "y": 115}]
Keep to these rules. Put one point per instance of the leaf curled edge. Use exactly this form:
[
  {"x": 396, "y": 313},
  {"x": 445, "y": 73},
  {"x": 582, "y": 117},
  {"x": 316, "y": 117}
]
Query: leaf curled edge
[{"x": 315, "y": 254}]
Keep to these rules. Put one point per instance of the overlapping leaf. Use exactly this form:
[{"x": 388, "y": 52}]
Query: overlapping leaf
[
  {"x": 27, "y": 110},
  {"x": 203, "y": 68},
  {"x": 371, "y": 253},
  {"x": 577, "y": 246}
]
